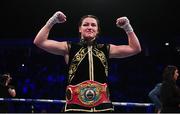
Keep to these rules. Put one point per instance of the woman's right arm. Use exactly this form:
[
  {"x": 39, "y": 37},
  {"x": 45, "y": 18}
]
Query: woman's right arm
[{"x": 41, "y": 40}]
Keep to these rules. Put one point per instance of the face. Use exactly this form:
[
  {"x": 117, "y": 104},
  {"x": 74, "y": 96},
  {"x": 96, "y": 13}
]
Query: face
[
  {"x": 89, "y": 28},
  {"x": 176, "y": 74}
]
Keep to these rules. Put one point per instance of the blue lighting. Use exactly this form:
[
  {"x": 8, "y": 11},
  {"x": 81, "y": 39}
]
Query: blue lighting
[
  {"x": 25, "y": 90},
  {"x": 50, "y": 78},
  {"x": 61, "y": 78}
]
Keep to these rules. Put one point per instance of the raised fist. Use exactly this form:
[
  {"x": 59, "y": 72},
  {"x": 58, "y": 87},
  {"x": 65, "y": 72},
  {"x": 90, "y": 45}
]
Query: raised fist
[
  {"x": 120, "y": 22},
  {"x": 58, "y": 17},
  {"x": 123, "y": 22}
]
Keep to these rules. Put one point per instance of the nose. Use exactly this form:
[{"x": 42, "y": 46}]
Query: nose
[
  {"x": 89, "y": 29},
  {"x": 90, "y": 26}
]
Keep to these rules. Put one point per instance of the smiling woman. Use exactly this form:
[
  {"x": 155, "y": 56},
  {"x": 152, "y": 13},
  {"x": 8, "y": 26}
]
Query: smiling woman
[
  {"x": 89, "y": 27},
  {"x": 87, "y": 61}
]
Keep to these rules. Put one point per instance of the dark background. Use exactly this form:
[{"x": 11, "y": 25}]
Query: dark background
[
  {"x": 157, "y": 19},
  {"x": 38, "y": 74}
]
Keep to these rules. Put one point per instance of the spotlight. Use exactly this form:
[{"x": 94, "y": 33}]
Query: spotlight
[{"x": 167, "y": 44}]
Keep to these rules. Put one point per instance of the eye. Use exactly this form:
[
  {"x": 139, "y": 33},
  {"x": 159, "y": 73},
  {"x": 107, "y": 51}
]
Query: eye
[
  {"x": 85, "y": 24},
  {"x": 93, "y": 25}
]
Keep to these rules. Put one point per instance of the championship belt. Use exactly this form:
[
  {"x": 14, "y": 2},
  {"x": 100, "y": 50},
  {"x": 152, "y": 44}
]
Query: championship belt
[{"x": 88, "y": 93}]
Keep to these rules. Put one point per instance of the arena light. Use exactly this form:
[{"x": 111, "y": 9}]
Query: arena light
[{"x": 167, "y": 44}]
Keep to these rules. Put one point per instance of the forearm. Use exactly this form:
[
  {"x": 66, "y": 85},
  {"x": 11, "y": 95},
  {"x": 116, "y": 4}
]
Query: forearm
[
  {"x": 52, "y": 46},
  {"x": 156, "y": 101},
  {"x": 133, "y": 42},
  {"x": 42, "y": 35}
]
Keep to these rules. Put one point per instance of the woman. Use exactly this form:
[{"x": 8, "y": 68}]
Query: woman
[
  {"x": 87, "y": 90},
  {"x": 6, "y": 91},
  {"x": 170, "y": 92}
]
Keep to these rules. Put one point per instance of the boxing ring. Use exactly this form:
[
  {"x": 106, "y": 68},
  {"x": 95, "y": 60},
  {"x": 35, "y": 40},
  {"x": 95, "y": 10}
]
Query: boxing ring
[{"x": 147, "y": 106}]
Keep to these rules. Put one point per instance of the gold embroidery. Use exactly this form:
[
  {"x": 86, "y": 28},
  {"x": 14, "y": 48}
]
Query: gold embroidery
[
  {"x": 76, "y": 61},
  {"x": 102, "y": 58},
  {"x": 80, "y": 56}
]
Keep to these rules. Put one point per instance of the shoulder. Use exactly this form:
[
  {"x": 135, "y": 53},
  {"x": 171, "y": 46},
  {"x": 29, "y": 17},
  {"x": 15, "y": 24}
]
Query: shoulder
[
  {"x": 100, "y": 45},
  {"x": 159, "y": 84}
]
